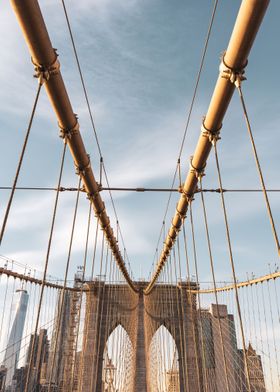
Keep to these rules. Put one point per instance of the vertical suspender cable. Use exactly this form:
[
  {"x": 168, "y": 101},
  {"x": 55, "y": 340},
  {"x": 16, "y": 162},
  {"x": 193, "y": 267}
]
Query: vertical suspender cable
[
  {"x": 214, "y": 283},
  {"x": 75, "y": 370},
  {"x": 199, "y": 303},
  {"x": 26, "y": 389},
  {"x": 62, "y": 303},
  {"x": 232, "y": 268},
  {"x": 189, "y": 296}
]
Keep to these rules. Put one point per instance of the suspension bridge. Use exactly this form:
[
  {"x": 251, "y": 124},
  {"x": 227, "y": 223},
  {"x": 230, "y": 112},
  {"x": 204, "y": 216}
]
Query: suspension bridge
[{"x": 100, "y": 328}]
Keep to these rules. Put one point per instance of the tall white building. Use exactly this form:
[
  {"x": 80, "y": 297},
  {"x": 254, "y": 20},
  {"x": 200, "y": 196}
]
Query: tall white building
[{"x": 13, "y": 347}]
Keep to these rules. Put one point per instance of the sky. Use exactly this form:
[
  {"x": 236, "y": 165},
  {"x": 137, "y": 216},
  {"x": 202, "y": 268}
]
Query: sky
[{"x": 140, "y": 60}]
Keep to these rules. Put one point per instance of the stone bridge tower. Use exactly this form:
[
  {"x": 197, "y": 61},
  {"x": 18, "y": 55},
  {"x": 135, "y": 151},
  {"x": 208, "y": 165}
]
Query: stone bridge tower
[{"x": 109, "y": 305}]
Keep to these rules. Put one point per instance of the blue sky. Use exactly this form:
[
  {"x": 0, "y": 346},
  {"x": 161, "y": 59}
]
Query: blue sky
[{"x": 140, "y": 60}]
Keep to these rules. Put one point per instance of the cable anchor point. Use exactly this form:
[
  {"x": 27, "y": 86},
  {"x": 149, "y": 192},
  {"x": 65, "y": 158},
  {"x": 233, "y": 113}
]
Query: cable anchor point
[
  {"x": 212, "y": 135},
  {"x": 81, "y": 169},
  {"x": 198, "y": 172},
  {"x": 44, "y": 72},
  {"x": 189, "y": 198},
  {"x": 67, "y": 133},
  {"x": 235, "y": 76}
]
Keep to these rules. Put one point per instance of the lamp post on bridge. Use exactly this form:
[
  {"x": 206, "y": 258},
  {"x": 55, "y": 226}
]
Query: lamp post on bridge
[{"x": 110, "y": 370}]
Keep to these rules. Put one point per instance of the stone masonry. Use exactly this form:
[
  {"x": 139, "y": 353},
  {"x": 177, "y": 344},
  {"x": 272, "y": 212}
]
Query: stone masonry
[{"x": 108, "y": 306}]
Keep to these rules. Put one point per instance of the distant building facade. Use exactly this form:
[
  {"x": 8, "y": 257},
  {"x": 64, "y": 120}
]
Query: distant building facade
[
  {"x": 40, "y": 358},
  {"x": 12, "y": 352},
  {"x": 59, "y": 342},
  {"x": 38, "y": 365},
  {"x": 256, "y": 375},
  {"x": 3, "y": 373},
  {"x": 228, "y": 364}
]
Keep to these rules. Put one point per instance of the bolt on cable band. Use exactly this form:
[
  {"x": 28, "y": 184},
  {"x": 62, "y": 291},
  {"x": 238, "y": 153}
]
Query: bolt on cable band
[
  {"x": 198, "y": 172},
  {"x": 44, "y": 72},
  {"x": 67, "y": 134},
  {"x": 212, "y": 135},
  {"x": 234, "y": 75}
]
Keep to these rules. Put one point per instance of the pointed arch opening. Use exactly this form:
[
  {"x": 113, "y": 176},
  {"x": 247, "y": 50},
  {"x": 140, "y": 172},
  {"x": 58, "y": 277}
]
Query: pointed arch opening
[
  {"x": 163, "y": 367},
  {"x": 117, "y": 371}
]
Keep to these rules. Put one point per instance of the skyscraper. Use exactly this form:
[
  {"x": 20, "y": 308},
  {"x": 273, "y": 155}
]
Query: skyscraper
[
  {"x": 216, "y": 374},
  {"x": 39, "y": 359},
  {"x": 13, "y": 347},
  {"x": 59, "y": 342},
  {"x": 256, "y": 375}
]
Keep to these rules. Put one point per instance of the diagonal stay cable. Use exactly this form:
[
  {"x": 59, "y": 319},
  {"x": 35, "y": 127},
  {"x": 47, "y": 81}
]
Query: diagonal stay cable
[
  {"x": 89, "y": 109},
  {"x": 233, "y": 269},
  {"x": 204, "y": 51},
  {"x": 199, "y": 74},
  {"x": 20, "y": 162},
  {"x": 233, "y": 62},
  {"x": 81, "y": 76},
  {"x": 222, "y": 340},
  {"x": 190, "y": 109},
  {"x": 259, "y": 169}
]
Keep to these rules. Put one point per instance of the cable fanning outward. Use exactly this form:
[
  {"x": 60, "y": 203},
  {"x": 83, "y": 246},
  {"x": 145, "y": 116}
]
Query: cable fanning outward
[
  {"x": 47, "y": 68},
  {"x": 102, "y": 163},
  {"x": 178, "y": 170},
  {"x": 231, "y": 69}
]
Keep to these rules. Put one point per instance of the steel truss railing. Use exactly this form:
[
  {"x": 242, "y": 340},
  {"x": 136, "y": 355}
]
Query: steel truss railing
[{"x": 249, "y": 282}]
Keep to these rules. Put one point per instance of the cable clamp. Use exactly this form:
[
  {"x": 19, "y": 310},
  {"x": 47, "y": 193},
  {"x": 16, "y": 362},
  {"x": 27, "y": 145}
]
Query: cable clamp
[
  {"x": 182, "y": 216},
  {"x": 212, "y": 135},
  {"x": 172, "y": 239},
  {"x": 92, "y": 196},
  {"x": 81, "y": 169},
  {"x": 176, "y": 229},
  {"x": 198, "y": 172},
  {"x": 189, "y": 198},
  {"x": 99, "y": 213},
  {"x": 44, "y": 72},
  {"x": 67, "y": 133},
  {"x": 235, "y": 76}
]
